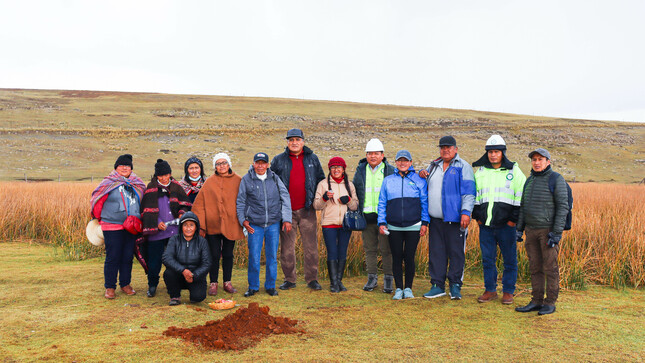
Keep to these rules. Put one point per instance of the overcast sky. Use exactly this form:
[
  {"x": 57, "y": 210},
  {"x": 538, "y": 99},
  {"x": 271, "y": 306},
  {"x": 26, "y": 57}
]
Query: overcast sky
[{"x": 574, "y": 58}]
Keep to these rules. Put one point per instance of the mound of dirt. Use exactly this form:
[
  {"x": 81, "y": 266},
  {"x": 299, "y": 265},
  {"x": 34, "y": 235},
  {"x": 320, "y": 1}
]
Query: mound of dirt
[{"x": 237, "y": 331}]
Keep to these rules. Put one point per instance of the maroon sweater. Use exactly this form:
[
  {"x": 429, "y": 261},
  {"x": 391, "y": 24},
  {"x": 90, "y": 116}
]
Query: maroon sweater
[{"x": 297, "y": 190}]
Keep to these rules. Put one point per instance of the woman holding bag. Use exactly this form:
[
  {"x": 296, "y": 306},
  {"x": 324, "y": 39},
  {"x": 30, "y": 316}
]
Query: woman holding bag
[
  {"x": 334, "y": 196},
  {"x": 116, "y": 199}
]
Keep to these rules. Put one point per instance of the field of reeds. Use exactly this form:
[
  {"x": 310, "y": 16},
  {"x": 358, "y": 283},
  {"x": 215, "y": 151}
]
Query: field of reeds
[{"x": 606, "y": 245}]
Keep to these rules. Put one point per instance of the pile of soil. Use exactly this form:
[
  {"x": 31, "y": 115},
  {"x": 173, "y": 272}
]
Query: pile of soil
[{"x": 237, "y": 331}]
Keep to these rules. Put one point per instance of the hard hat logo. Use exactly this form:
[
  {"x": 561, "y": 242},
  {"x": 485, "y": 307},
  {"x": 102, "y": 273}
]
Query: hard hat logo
[{"x": 495, "y": 142}]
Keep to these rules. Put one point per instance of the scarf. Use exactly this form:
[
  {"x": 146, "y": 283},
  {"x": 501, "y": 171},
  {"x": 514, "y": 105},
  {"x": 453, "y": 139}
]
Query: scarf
[
  {"x": 178, "y": 200},
  {"x": 113, "y": 181},
  {"x": 190, "y": 188}
]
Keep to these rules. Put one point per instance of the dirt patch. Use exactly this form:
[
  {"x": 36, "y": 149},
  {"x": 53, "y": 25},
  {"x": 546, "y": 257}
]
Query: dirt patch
[{"x": 237, "y": 331}]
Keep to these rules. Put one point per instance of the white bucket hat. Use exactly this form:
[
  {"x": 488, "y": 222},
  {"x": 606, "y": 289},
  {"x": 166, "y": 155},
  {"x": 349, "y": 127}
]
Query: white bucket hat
[{"x": 94, "y": 233}]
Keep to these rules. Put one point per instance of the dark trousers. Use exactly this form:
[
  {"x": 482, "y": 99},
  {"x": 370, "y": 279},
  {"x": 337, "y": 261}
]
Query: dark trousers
[
  {"x": 336, "y": 241},
  {"x": 175, "y": 282},
  {"x": 403, "y": 245},
  {"x": 222, "y": 247},
  {"x": 447, "y": 242},
  {"x": 153, "y": 259},
  {"x": 505, "y": 238},
  {"x": 543, "y": 265},
  {"x": 119, "y": 251}
]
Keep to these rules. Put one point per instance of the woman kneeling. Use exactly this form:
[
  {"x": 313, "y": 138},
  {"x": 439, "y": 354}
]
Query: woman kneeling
[{"x": 188, "y": 260}]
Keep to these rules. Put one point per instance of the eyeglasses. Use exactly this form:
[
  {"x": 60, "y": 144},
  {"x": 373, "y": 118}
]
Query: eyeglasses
[{"x": 217, "y": 165}]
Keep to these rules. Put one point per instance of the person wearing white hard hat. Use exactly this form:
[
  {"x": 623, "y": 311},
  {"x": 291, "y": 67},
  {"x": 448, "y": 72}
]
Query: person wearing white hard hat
[
  {"x": 499, "y": 184},
  {"x": 368, "y": 179}
]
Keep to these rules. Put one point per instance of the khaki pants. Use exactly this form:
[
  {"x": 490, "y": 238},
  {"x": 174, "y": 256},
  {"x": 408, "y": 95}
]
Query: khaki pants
[
  {"x": 372, "y": 242},
  {"x": 306, "y": 222},
  {"x": 543, "y": 264}
]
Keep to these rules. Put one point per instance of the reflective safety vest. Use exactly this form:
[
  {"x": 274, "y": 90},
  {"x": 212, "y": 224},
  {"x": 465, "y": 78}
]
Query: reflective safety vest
[
  {"x": 373, "y": 182},
  {"x": 499, "y": 194}
]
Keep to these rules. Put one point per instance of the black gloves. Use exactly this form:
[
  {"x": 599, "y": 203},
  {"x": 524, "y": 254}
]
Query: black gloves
[
  {"x": 518, "y": 235},
  {"x": 553, "y": 239},
  {"x": 325, "y": 197},
  {"x": 344, "y": 199}
]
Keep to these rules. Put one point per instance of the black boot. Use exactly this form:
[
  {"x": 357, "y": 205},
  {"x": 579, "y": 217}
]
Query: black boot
[
  {"x": 332, "y": 267},
  {"x": 372, "y": 281},
  {"x": 341, "y": 272},
  {"x": 388, "y": 280}
]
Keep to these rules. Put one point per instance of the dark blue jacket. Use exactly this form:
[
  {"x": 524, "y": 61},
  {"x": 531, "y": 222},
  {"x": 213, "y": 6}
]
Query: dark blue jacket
[
  {"x": 262, "y": 202},
  {"x": 281, "y": 165},
  {"x": 403, "y": 200}
]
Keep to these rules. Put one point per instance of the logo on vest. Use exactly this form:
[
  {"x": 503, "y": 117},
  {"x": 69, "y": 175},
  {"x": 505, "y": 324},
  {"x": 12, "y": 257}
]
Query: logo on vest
[{"x": 509, "y": 176}]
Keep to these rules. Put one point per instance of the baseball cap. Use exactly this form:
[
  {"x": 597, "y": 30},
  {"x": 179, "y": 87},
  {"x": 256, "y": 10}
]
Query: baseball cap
[
  {"x": 261, "y": 156},
  {"x": 447, "y": 141},
  {"x": 540, "y": 151}
]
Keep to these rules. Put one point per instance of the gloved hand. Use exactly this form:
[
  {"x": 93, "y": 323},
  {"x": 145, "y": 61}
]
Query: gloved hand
[
  {"x": 344, "y": 199},
  {"x": 325, "y": 197},
  {"x": 518, "y": 235},
  {"x": 553, "y": 239}
]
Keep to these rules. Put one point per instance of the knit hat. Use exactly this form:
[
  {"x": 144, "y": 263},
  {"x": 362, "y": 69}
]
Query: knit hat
[
  {"x": 125, "y": 159},
  {"x": 194, "y": 160},
  {"x": 222, "y": 156},
  {"x": 336, "y": 161},
  {"x": 162, "y": 167}
]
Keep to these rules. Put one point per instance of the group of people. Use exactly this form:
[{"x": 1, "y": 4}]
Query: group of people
[{"x": 189, "y": 225}]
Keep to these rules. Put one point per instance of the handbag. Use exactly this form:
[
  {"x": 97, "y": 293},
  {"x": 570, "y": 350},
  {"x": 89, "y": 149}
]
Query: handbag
[
  {"x": 132, "y": 224},
  {"x": 354, "y": 220}
]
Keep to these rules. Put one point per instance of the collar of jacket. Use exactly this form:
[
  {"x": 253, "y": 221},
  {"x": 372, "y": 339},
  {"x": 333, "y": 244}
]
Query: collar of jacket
[
  {"x": 438, "y": 160},
  {"x": 540, "y": 173},
  {"x": 483, "y": 161},
  {"x": 408, "y": 172}
]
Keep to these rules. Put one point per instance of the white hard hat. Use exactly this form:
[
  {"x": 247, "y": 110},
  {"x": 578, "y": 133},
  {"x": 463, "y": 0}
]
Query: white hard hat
[
  {"x": 495, "y": 142},
  {"x": 374, "y": 145}
]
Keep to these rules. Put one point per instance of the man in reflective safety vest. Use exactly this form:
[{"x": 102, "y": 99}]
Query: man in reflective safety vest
[{"x": 497, "y": 207}]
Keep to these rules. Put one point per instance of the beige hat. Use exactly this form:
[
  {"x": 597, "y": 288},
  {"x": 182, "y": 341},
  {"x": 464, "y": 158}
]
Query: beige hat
[{"x": 94, "y": 233}]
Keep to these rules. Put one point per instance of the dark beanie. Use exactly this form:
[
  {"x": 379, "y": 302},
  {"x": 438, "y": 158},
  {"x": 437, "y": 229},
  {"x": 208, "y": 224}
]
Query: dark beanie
[
  {"x": 162, "y": 167},
  {"x": 125, "y": 159}
]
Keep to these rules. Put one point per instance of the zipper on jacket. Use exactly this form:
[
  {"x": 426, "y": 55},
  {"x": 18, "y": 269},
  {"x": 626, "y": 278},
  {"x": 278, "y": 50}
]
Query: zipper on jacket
[
  {"x": 266, "y": 204},
  {"x": 402, "y": 209}
]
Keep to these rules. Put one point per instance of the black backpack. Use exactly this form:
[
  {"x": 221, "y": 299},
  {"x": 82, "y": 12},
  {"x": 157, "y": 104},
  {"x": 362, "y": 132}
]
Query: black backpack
[{"x": 552, "y": 178}]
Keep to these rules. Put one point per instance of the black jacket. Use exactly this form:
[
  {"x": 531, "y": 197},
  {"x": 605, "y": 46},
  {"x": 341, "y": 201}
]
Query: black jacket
[
  {"x": 193, "y": 255},
  {"x": 359, "y": 182},
  {"x": 540, "y": 208},
  {"x": 281, "y": 165}
]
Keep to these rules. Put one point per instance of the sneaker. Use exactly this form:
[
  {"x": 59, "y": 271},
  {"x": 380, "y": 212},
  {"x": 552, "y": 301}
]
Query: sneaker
[
  {"x": 407, "y": 293},
  {"x": 455, "y": 292},
  {"x": 228, "y": 287},
  {"x": 398, "y": 294},
  {"x": 212, "y": 289},
  {"x": 435, "y": 291},
  {"x": 175, "y": 301}
]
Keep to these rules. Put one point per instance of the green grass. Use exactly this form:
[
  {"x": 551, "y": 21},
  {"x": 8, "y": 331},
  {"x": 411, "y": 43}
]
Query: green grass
[{"x": 53, "y": 309}]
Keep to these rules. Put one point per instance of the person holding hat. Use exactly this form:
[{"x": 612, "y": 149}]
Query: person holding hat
[
  {"x": 263, "y": 203},
  {"x": 164, "y": 200},
  {"x": 300, "y": 171},
  {"x": 451, "y": 197},
  {"x": 499, "y": 183},
  {"x": 368, "y": 179},
  {"x": 334, "y": 196},
  {"x": 215, "y": 207},
  {"x": 187, "y": 259},
  {"x": 403, "y": 214},
  {"x": 117, "y": 197},
  {"x": 543, "y": 213},
  {"x": 194, "y": 177}
]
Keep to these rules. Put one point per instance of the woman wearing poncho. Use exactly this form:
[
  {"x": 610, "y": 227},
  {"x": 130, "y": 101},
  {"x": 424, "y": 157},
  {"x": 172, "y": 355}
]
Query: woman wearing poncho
[
  {"x": 117, "y": 197},
  {"x": 194, "y": 178}
]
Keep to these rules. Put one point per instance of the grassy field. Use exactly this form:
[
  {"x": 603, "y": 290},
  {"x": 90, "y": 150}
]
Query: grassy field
[
  {"x": 53, "y": 309},
  {"x": 77, "y": 135}
]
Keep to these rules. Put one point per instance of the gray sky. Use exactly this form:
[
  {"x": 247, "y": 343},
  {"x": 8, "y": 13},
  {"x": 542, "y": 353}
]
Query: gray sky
[{"x": 575, "y": 58}]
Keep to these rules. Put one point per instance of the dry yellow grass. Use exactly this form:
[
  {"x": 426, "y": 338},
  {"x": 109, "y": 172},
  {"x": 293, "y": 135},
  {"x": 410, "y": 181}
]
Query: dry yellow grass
[{"x": 605, "y": 246}]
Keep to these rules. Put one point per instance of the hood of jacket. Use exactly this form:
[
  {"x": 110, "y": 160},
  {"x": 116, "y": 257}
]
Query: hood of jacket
[
  {"x": 188, "y": 216},
  {"x": 483, "y": 161}
]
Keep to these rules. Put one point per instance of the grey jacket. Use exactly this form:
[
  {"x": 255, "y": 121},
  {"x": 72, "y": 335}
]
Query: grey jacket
[
  {"x": 263, "y": 202},
  {"x": 540, "y": 208},
  {"x": 115, "y": 211}
]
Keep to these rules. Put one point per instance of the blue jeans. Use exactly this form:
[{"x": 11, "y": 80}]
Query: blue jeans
[
  {"x": 489, "y": 239},
  {"x": 271, "y": 237},
  {"x": 336, "y": 241}
]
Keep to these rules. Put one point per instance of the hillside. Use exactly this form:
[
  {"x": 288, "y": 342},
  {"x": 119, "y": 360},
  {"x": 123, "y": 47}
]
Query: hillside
[{"x": 79, "y": 134}]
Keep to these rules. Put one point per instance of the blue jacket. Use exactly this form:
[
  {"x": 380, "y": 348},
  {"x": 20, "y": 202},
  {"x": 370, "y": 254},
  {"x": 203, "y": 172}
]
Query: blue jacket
[
  {"x": 263, "y": 202},
  {"x": 457, "y": 190},
  {"x": 403, "y": 200}
]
